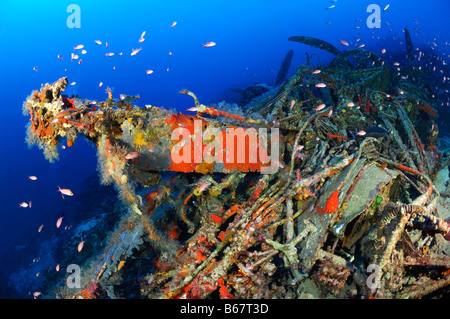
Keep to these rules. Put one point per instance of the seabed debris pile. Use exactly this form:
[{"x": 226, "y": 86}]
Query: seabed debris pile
[{"x": 354, "y": 191}]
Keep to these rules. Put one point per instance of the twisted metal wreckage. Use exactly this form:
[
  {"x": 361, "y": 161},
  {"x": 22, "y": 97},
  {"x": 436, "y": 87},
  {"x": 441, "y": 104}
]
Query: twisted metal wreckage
[{"x": 339, "y": 205}]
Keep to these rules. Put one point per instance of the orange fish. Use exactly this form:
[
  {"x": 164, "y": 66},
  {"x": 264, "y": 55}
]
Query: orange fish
[
  {"x": 59, "y": 221},
  {"x": 316, "y": 72},
  {"x": 80, "y": 245},
  {"x": 292, "y": 104},
  {"x": 202, "y": 186},
  {"x": 65, "y": 191},
  {"x": 332, "y": 203},
  {"x": 320, "y": 85},
  {"x": 132, "y": 155},
  {"x": 135, "y": 51},
  {"x": 278, "y": 163},
  {"x": 361, "y": 133},
  {"x": 78, "y": 47},
  {"x": 320, "y": 107},
  {"x": 344, "y": 42},
  {"x": 173, "y": 24},
  {"x": 33, "y": 178},
  {"x": 40, "y": 228},
  {"x": 209, "y": 44}
]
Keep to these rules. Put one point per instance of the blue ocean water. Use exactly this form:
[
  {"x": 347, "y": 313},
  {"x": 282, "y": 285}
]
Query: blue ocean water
[{"x": 251, "y": 41}]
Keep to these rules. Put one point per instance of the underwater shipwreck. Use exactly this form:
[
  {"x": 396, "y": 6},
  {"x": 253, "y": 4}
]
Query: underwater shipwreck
[{"x": 355, "y": 206}]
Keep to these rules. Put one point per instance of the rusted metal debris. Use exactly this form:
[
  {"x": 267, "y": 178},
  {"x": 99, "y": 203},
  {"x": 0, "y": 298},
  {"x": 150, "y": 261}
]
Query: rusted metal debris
[
  {"x": 351, "y": 212},
  {"x": 318, "y": 43}
]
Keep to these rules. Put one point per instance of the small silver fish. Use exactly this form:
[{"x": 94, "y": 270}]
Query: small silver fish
[{"x": 135, "y": 51}]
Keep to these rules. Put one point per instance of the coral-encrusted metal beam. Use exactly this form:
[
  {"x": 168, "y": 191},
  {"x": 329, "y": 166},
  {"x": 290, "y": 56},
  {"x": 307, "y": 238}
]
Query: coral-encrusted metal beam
[{"x": 151, "y": 138}]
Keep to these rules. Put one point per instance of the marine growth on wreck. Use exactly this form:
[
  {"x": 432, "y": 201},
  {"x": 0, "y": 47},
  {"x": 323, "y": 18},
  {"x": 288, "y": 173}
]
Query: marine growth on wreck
[{"x": 352, "y": 209}]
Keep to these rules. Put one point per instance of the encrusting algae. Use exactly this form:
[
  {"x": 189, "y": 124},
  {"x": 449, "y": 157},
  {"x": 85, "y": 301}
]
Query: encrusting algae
[{"x": 337, "y": 202}]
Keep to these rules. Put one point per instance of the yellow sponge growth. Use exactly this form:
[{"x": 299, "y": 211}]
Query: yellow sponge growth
[{"x": 139, "y": 139}]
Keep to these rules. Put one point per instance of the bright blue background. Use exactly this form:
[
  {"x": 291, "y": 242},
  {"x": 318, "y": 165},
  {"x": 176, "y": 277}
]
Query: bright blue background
[{"x": 249, "y": 34}]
